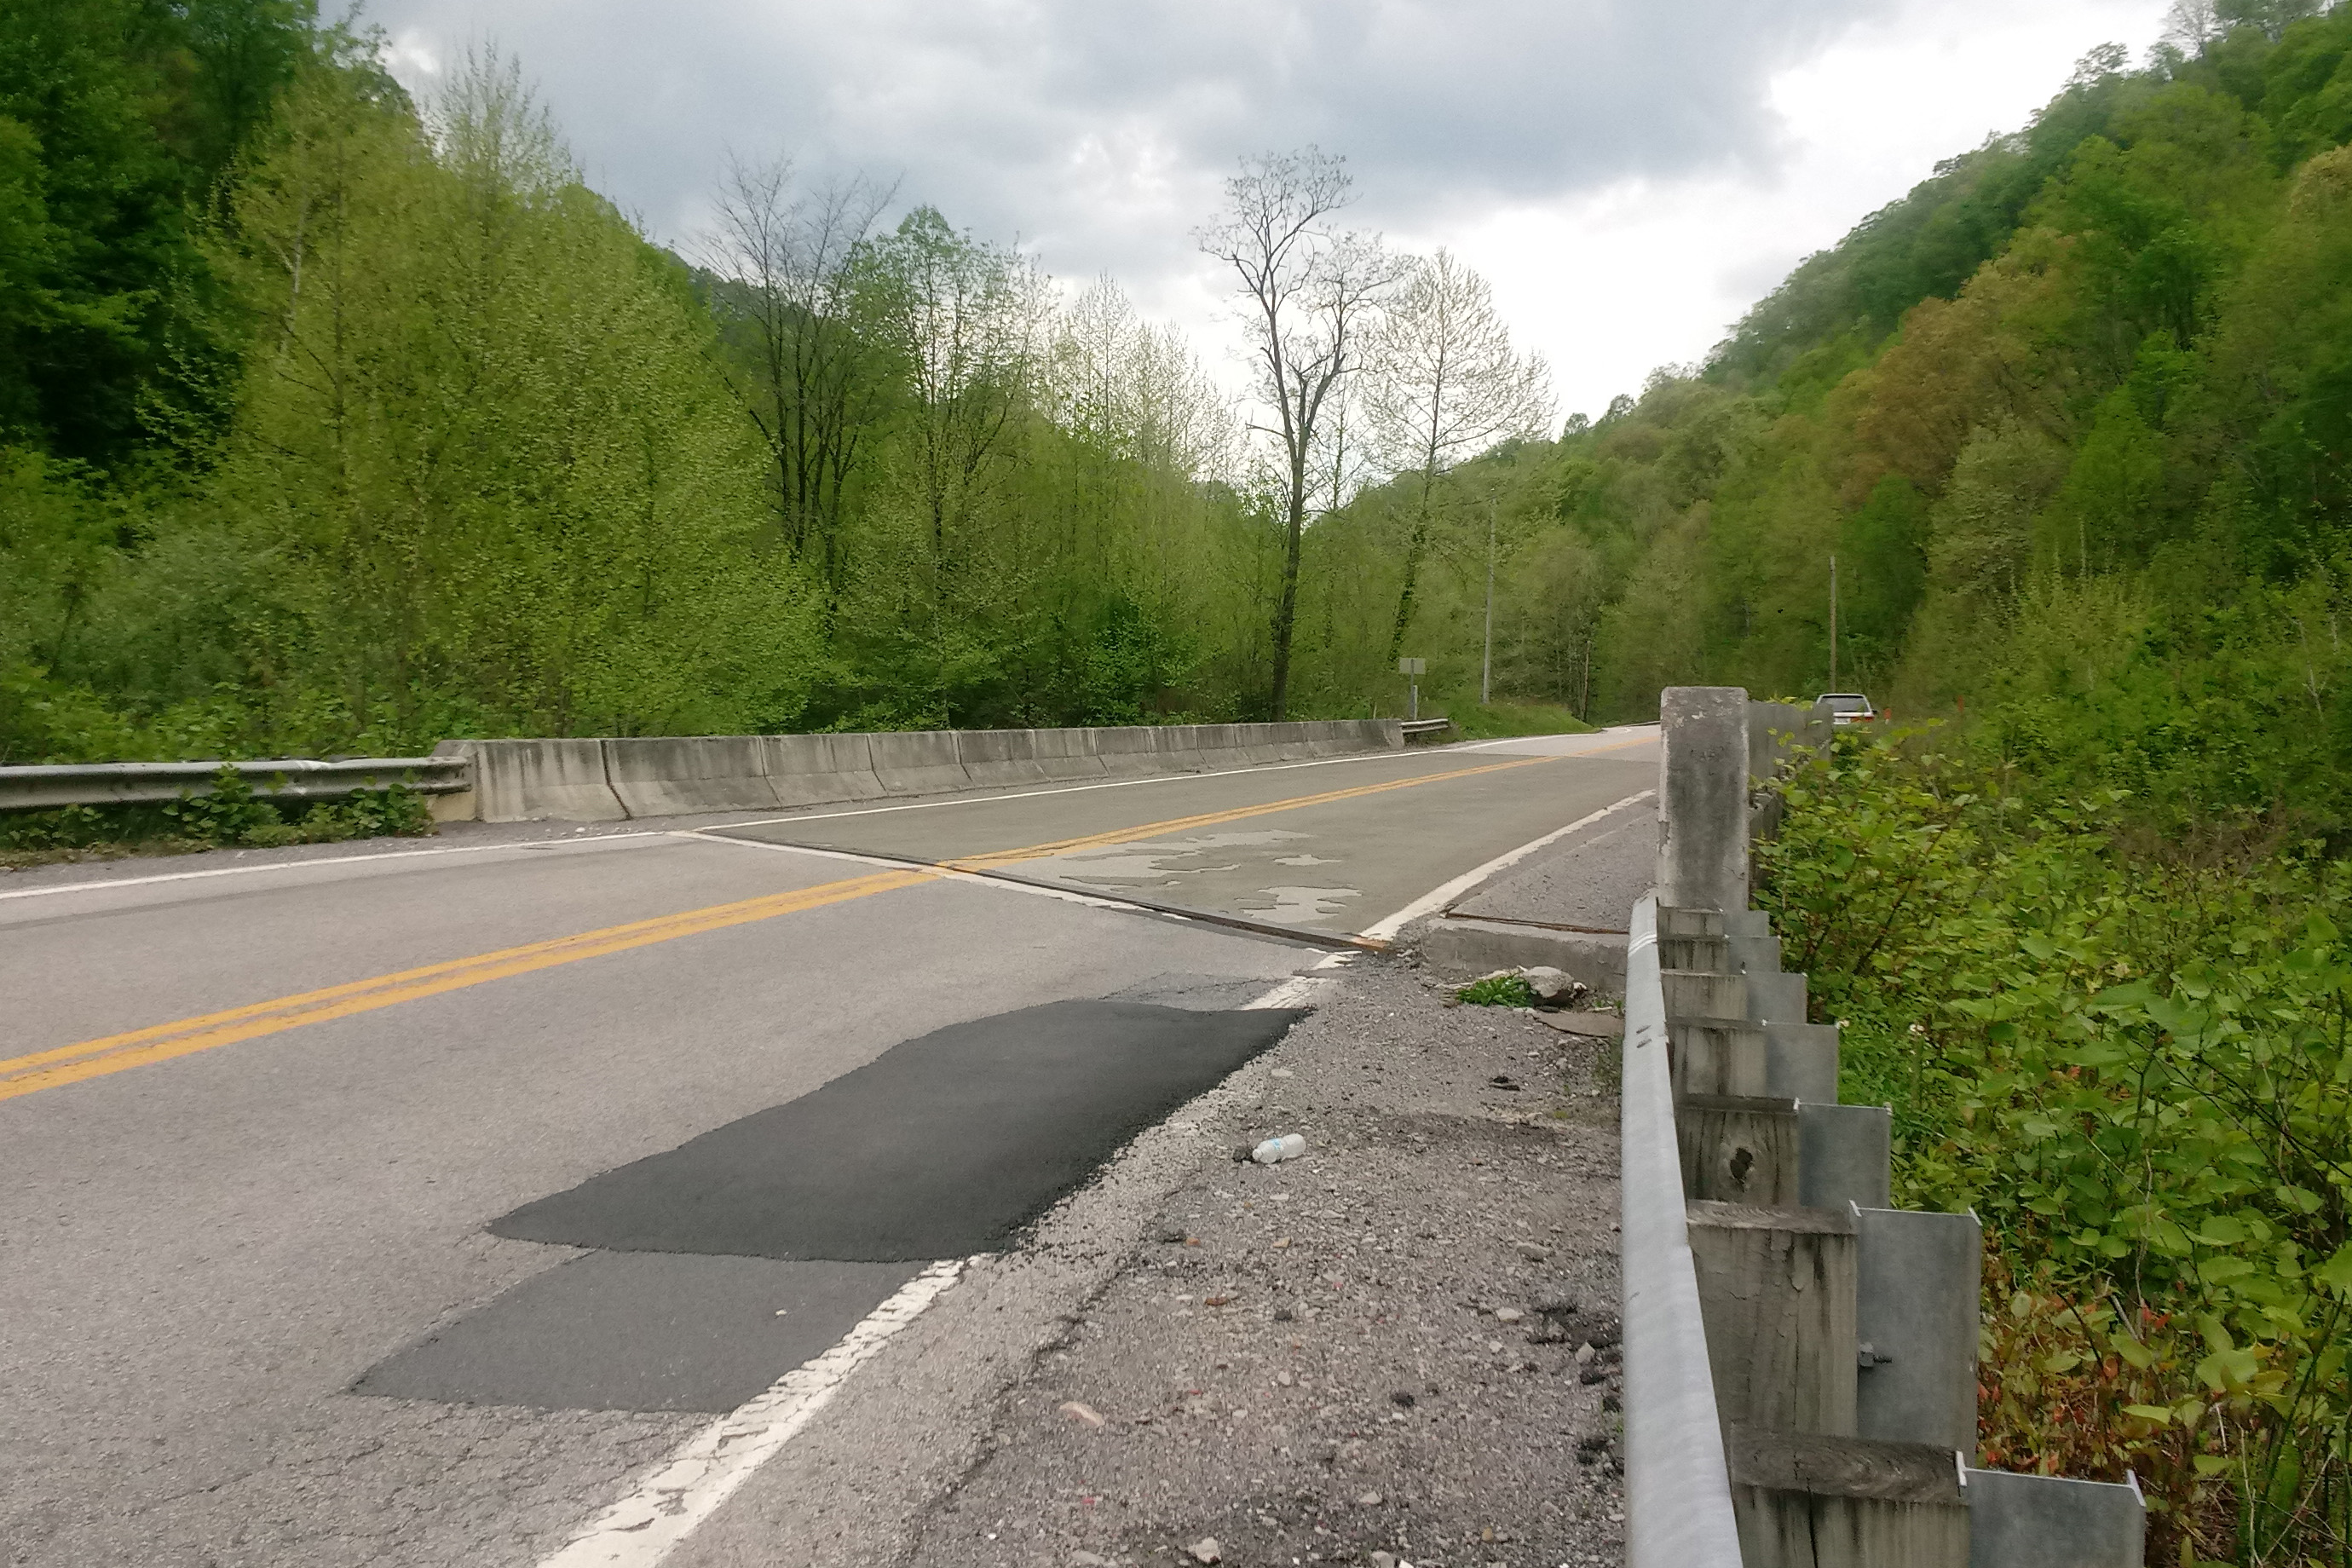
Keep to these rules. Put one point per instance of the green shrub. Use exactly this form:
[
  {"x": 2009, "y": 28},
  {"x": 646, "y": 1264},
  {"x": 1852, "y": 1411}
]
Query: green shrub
[
  {"x": 2131, "y": 1059},
  {"x": 231, "y": 814}
]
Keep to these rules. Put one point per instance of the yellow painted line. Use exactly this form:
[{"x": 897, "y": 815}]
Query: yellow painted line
[
  {"x": 1212, "y": 818},
  {"x": 161, "y": 1042}
]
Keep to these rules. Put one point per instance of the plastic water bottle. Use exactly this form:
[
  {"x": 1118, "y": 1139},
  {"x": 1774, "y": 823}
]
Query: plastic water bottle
[{"x": 1273, "y": 1150}]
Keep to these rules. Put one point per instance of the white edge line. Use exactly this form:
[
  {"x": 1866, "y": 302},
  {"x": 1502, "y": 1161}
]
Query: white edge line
[
  {"x": 678, "y": 1494},
  {"x": 101, "y": 886},
  {"x": 1439, "y": 897},
  {"x": 1506, "y": 743}
]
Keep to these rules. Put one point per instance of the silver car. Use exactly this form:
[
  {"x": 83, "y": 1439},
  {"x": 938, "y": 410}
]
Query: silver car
[{"x": 1847, "y": 707}]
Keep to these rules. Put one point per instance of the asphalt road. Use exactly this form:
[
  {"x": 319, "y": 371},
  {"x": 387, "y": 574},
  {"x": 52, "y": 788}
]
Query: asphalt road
[{"x": 272, "y": 1133}]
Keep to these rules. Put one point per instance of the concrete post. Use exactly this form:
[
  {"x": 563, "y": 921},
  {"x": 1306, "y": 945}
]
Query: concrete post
[{"x": 1703, "y": 797}]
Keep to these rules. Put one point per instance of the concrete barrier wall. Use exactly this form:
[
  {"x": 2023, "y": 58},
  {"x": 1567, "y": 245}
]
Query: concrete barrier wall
[
  {"x": 821, "y": 770},
  {"x": 919, "y": 762},
  {"x": 608, "y": 780},
  {"x": 525, "y": 781},
  {"x": 667, "y": 777}
]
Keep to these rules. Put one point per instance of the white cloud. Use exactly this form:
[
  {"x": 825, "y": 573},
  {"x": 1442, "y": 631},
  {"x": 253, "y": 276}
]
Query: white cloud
[{"x": 1630, "y": 175}]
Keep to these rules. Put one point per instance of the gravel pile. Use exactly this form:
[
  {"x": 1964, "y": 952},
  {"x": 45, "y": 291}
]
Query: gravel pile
[{"x": 1401, "y": 1348}]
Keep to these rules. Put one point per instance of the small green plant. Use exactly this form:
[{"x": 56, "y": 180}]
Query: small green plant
[{"x": 1499, "y": 991}]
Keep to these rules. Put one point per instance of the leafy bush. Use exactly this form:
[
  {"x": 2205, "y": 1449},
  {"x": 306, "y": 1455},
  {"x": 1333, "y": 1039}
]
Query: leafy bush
[
  {"x": 2133, "y": 1061},
  {"x": 231, "y": 814}
]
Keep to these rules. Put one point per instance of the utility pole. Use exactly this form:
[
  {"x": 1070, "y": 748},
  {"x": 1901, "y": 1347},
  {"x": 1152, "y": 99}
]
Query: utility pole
[
  {"x": 1487, "y": 660},
  {"x": 1833, "y": 623}
]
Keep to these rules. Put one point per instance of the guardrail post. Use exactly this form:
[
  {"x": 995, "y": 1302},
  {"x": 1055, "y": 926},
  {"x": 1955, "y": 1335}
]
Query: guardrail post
[
  {"x": 1703, "y": 797},
  {"x": 2050, "y": 1521},
  {"x": 1920, "y": 1283},
  {"x": 1840, "y": 1333},
  {"x": 1777, "y": 1288}
]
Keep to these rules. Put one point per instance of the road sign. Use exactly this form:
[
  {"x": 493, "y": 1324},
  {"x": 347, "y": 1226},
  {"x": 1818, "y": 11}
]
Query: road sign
[{"x": 1412, "y": 666}]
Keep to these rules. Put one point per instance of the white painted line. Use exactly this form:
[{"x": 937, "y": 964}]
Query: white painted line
[
  {"x": 702, "y": 1472},
  {"x": 1601, "y": 740},
  {"x": 1300, "y": 990},
  {"x": 568, "y": 842},
  {"x": 1439, "y": 897}
]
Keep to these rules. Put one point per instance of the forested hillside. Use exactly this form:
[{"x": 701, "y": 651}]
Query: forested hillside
[
  {"x": 328, "y": 423},
  {"x": 2073, "y": 418},
  {"x": 332, "y": 422}
]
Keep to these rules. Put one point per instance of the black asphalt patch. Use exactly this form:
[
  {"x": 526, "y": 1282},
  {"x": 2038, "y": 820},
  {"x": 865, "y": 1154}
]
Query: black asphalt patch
[
  {"x": 940, "y": 1147},
  {"x": 635, "y": 1330}
]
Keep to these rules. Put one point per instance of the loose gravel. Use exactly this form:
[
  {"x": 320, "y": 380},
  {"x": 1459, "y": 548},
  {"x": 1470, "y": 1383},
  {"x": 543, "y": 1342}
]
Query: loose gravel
[{"x": 1400, "y": 1349}]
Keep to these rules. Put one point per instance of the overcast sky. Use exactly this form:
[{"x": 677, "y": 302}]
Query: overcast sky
[{"x": 1630, "y": 175}]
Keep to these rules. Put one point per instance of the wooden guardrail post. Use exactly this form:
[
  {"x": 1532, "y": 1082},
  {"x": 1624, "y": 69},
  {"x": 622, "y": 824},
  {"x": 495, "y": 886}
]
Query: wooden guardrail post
[{"x": 1839, "y": 1333}]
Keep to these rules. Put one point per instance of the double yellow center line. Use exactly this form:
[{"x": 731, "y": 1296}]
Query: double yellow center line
[{"x": 162, "y": 1042}]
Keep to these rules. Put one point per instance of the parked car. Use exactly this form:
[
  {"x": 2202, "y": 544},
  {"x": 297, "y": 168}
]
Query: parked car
[{"x": 1848, "y": 707}]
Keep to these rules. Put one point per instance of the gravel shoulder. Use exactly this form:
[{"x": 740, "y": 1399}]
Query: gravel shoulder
[{"x": 1401, "y": 1347}]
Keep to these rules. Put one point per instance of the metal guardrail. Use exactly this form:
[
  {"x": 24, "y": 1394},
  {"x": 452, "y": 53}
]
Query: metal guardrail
[
  {"x": 49, "y": 786},
  {"x": 1413, "y": 727},
  {"x": 1678, "y": 1511}
]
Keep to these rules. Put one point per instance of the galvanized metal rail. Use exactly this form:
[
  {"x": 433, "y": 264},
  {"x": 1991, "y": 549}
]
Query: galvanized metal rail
[
  {"x": 1678, "y": 1511},
  {"x": 1413, "y": 727},
  {"x": 50, "y": 786}
]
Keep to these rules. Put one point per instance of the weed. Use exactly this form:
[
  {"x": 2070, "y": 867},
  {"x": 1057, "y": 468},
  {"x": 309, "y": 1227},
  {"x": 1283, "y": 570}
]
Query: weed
[{"x": 1499, "y": 991}]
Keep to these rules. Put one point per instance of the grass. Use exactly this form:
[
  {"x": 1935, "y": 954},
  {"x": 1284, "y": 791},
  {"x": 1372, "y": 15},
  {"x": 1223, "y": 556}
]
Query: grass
[{"x": 1501, "y": 720}]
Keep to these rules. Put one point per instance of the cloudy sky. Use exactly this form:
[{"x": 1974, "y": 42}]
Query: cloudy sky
[{"x": 1630, "y": 175}]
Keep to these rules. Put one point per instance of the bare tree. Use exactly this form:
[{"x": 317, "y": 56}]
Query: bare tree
[
  {"x": 1444, "y": 386},
  {"x": 2191, "y": 25},
  {"x": 1155, "y": 426},
  {"x": 962, "y": 322},
  {"x": 1307, "y": 293},
  {"x": 789, "y": 254}
]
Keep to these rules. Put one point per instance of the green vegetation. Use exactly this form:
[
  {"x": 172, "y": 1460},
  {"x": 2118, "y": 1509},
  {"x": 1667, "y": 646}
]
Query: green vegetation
[
  {"x": 1499, "y": 991},
  {"x": 334, "y": 422},
  {"x": 2071, "y": 418},
  {"x": 1499, "y": 721},
  {"x": 2133, "y": 1057},
  {"x": 330, "y": 422},
  {"x": 230, "y": 813}
]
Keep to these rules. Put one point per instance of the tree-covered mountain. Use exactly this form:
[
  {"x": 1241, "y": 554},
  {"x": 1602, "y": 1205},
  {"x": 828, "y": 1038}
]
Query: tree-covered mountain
[
  {"x": 2073, "y": 418},
  {"x": 330, "y": 422}
]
